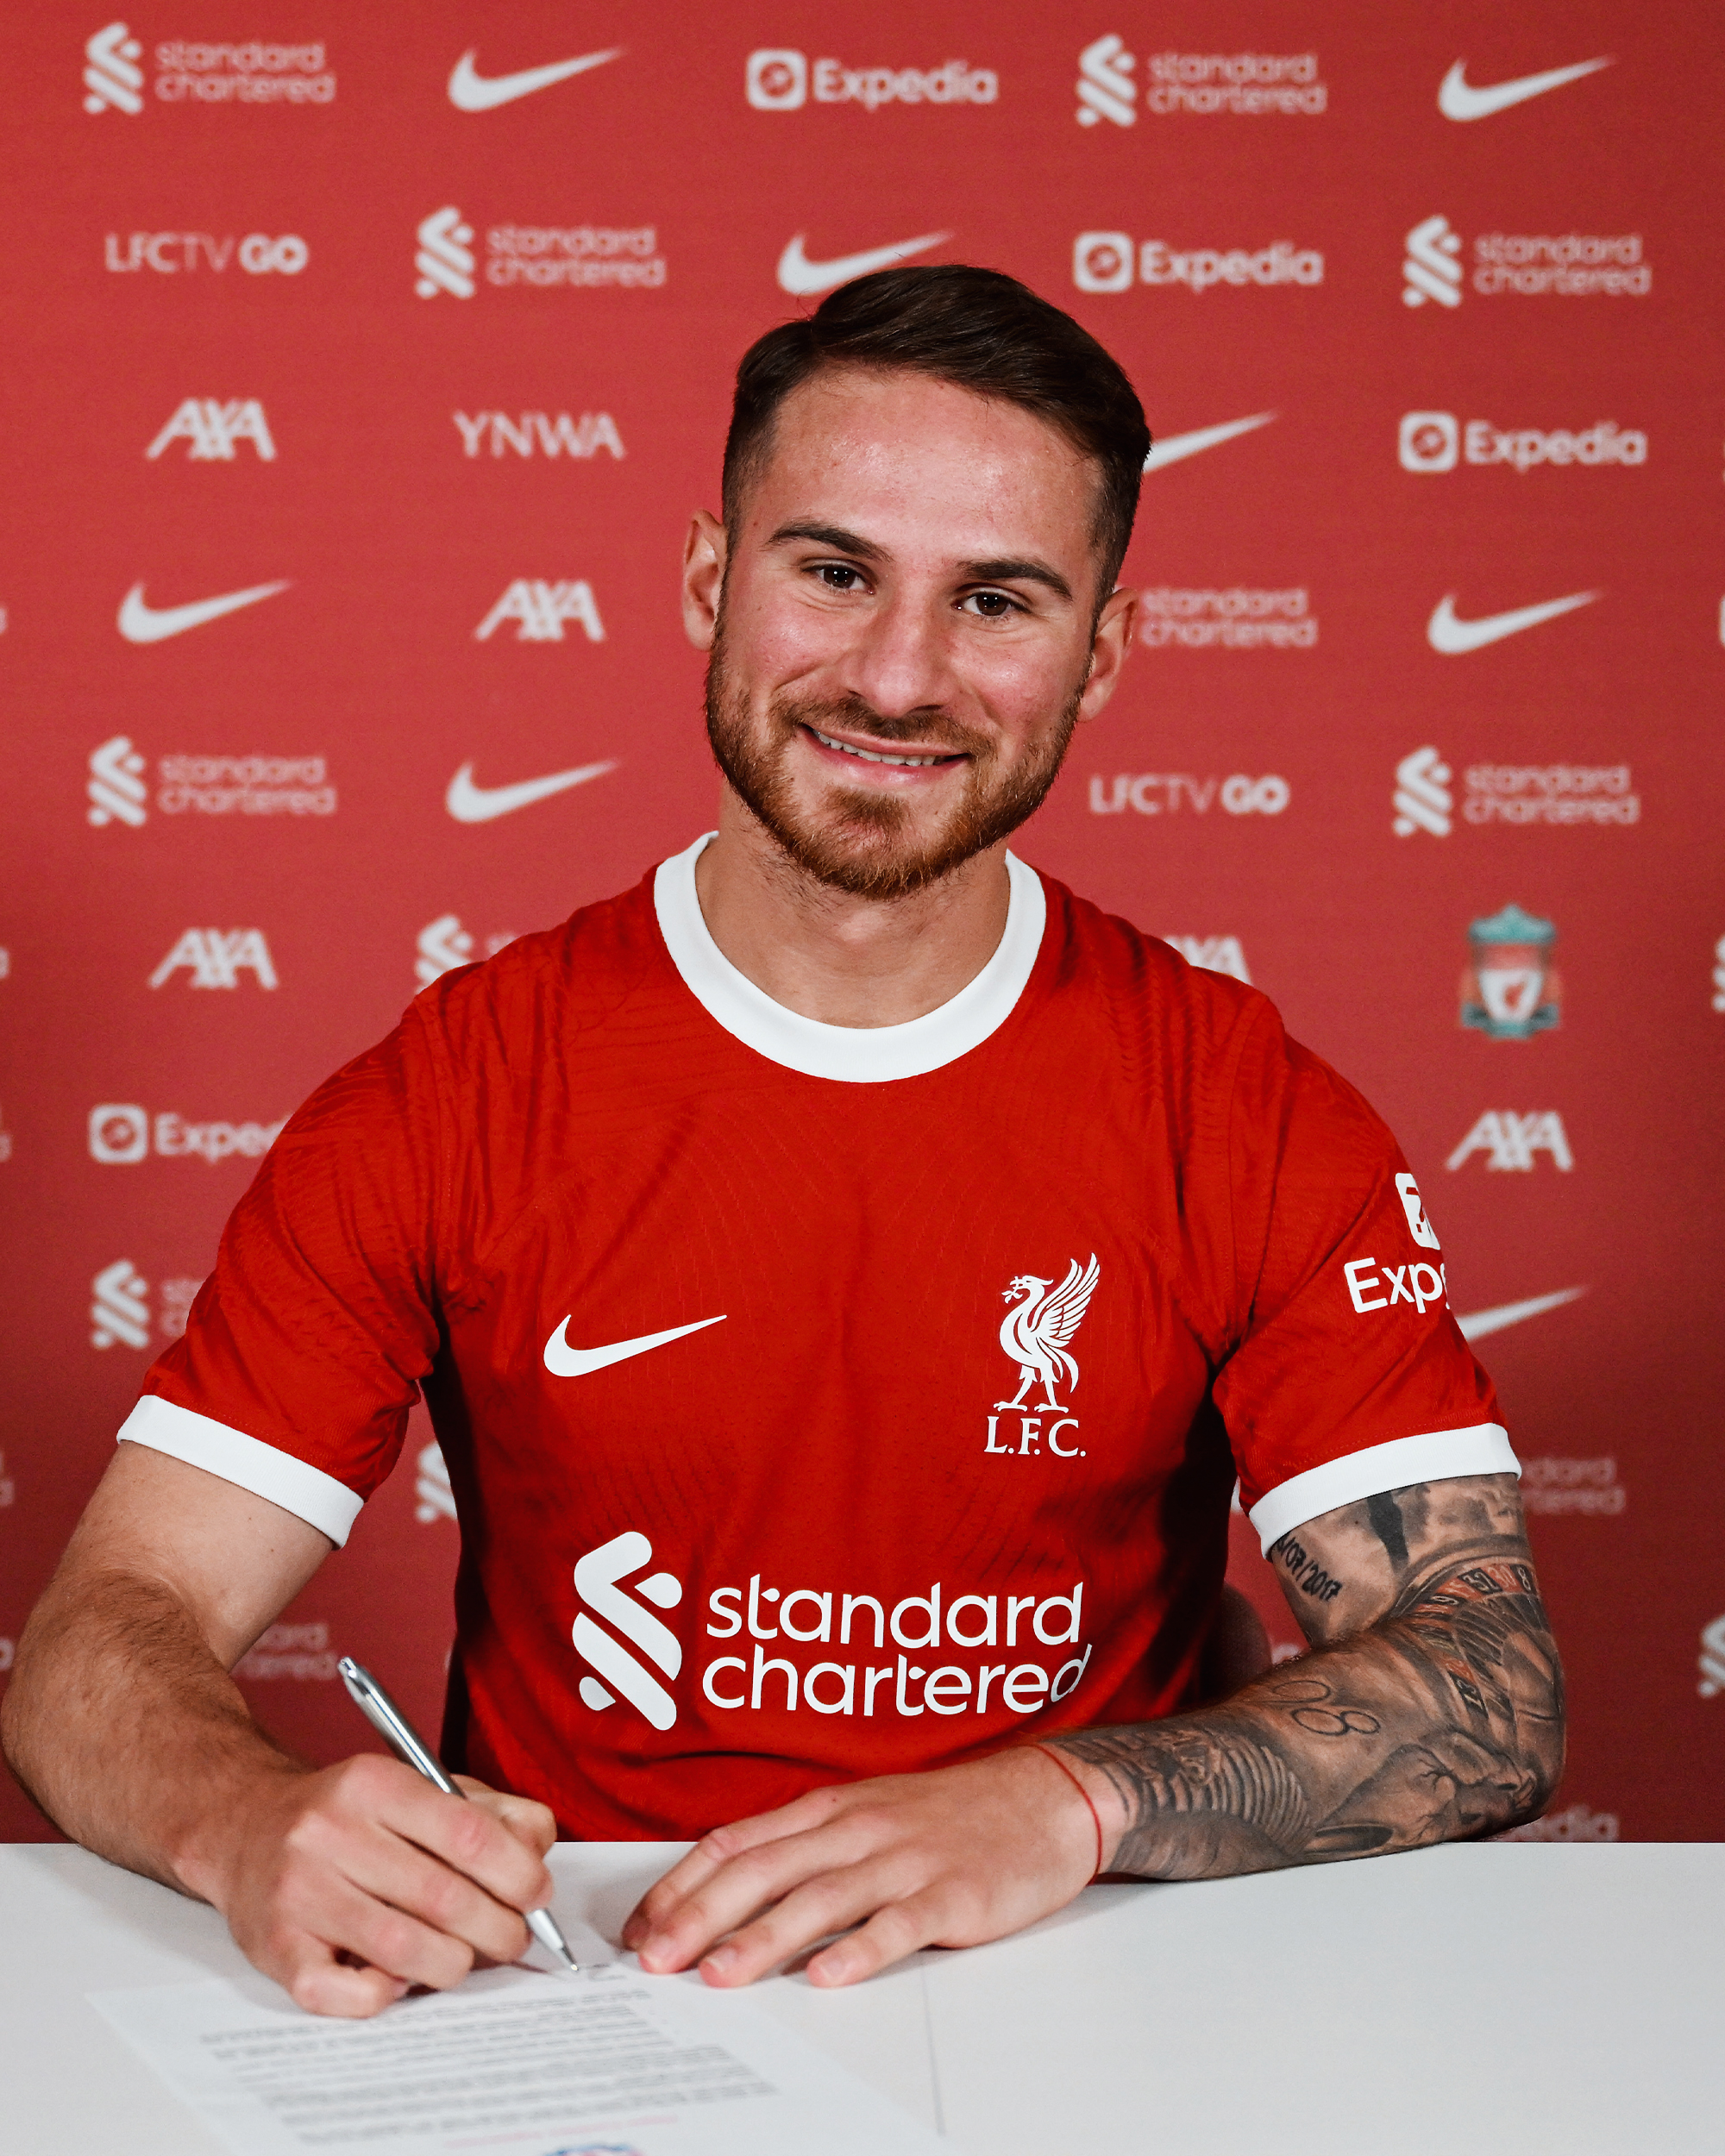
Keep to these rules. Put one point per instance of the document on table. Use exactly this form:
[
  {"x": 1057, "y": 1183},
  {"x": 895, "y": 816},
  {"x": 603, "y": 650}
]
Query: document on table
[{"x": 516, "y": 2062}]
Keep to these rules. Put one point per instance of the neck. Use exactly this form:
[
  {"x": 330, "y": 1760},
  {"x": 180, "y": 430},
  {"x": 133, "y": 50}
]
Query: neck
[{"x": 842, "y": 960}]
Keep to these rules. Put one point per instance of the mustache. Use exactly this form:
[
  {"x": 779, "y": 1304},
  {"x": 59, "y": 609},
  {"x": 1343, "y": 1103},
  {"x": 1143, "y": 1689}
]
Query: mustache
[{"x": 830, "y": 713}]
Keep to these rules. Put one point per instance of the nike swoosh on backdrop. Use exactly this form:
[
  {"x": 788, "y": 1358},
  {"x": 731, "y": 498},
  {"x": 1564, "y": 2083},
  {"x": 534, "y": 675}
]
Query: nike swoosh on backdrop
[
  {"x": 1446, "y": 633},
  {"x": 1173, "y": 446},
  {"x": 1458, "y": 100},
  {"x": 143, "y": 624},
  {"x": 471, "y": 804},
  {"x": 803, "y": 278},
  {"x": 472, "y": 93},
  {"x": 1479, "y": 1324},
  {"x": 564, "y": 1361}
]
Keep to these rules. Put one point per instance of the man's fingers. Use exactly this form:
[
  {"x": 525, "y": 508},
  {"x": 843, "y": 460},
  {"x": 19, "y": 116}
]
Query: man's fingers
[
  {"x": 712, "y": 1851},
  {"x": 468, "y": 1837},
  {"x": 322, "y": 1984},
  {"x": 740, "y": 1885},
  {"x": 833, "y": 1902},
  {"x": 398, "y": 1872},
  {"x": 533, "y": 1825},
  {"x": 888, "y": 1936}
]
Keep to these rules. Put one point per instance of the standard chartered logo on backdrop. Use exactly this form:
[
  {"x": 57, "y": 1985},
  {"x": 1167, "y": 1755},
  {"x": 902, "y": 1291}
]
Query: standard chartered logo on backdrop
[
  {"x": 113, "y": 81},
  {"x": 1431, "y": 268},
  {"x": 1106, "y": 88},
  {"x": 445, "y": 259}
]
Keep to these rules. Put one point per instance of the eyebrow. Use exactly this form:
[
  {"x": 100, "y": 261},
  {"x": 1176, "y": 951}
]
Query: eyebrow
[{"x": 851, "y": 542}]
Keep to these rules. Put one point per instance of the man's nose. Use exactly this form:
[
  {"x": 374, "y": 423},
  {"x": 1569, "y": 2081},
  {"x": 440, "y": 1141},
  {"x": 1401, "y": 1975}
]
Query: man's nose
[{"x": 901, "y": 662}]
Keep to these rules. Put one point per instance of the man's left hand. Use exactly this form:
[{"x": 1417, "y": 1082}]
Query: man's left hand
[{"x": 951, "y": 1857}]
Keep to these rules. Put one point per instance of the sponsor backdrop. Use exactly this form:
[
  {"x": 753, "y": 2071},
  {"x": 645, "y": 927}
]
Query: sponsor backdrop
[{"x": 369, "y": 363}]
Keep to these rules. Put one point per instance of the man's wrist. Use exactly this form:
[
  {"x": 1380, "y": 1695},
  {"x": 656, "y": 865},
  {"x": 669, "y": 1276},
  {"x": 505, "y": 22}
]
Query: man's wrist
[{"x": 1102, "y": 1811}]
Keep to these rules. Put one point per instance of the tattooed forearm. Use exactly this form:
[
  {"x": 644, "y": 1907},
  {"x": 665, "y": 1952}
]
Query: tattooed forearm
[
  {"x": 1441, "y": 1716},
  {"x": 1304, "y": 1571}
]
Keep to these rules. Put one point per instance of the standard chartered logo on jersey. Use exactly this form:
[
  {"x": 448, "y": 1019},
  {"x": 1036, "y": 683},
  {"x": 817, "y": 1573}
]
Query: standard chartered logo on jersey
[{"x": 796, "y": 1620}]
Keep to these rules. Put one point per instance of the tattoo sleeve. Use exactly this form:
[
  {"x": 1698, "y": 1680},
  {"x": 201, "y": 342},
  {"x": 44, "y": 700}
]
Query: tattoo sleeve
[{"x": 1431, "y": 1709}]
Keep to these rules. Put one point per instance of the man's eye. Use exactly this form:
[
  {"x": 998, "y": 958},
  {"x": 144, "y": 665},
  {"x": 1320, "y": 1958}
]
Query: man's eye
[
  {"x": 993, "y": 605},
  {"x": 839, "y": 576}
]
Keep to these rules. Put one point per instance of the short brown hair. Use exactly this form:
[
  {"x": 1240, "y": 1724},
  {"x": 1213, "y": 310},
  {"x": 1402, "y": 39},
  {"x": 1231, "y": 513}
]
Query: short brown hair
[{"x": 978, "y": 330}]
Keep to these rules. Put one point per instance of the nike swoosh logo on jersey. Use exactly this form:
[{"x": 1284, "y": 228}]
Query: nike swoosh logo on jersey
[
  {"x": 1448, "y": 633},
  {"x": 1173, "y": 446},
  {"x": 471, "y": 804},
  {"x": 1479, "y": 1324},
  {"x": 1458, "y": 100},
  {"x": 564, "y": 1361},
  {"x": 144, "y": 625},
  {"x": 803, "y": 278},
  {"x": 472, "y": 92}
]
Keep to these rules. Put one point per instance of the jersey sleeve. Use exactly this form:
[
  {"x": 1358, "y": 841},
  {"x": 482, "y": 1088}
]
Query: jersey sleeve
[
  {"x": 304, "y": 1347},
  {"x": 1350, "y": 1375}
]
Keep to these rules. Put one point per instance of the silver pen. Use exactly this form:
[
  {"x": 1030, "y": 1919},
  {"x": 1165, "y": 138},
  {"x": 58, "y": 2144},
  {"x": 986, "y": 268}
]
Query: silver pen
[{"x": 399, "y": 1733}]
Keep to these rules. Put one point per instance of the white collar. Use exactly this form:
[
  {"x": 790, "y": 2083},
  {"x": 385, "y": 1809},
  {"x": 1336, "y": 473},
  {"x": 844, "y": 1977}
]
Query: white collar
[{"x": 859, "y": 1055}]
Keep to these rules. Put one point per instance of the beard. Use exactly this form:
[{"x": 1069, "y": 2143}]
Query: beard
[{"x": 865, "y": 843}]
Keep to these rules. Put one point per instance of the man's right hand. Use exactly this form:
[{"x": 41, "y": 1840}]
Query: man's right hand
[
  {"x": 349, "y": 1885},
  {"x": 346, "y": 1885}
]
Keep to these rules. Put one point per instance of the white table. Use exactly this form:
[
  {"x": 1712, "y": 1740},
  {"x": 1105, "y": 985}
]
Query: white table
[{"x": 1522, "y": 1998}]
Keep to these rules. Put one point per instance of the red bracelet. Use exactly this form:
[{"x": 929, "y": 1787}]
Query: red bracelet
[{"x": 1082, "y": 1792}]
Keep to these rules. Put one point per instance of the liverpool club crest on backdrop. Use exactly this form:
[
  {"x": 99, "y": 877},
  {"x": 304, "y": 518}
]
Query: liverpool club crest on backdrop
[{"x": 1511, "y": 990}]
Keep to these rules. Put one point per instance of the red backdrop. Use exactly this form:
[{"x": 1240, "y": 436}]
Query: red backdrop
[{"x": 412, "y": 347}]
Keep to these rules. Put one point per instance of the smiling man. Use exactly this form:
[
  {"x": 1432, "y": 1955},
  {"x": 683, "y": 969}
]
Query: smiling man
[{"x": 847, "y": 1274}]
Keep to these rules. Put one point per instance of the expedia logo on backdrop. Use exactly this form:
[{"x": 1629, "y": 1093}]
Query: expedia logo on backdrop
[{"x": 778, "y": 79}]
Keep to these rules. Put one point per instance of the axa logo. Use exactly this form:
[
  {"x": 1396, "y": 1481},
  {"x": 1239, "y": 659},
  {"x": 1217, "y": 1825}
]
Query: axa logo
[
  {"x": 1036, "y": 1337},
  {"x": 538, "y": 434},
  {"x": 1106, "y": 88},
  {"x": 215, "y": 958},
  {"x": 779, "y": 79},
  {"x": 116, "y": 786},
  {"x": 1511, "y": 990},
  {"x": 1214, "y": 954},
  {"x": 1422, "y": 801},
  {"x": 1432, "y": 267},
  {"x": 1510, "y": 1141},
  {"x": 539, "y": 609},
  {"x": 113, "y": 81},
  {"x": 119, "y": 1306},
  {"x": 445, "y": 259},
  {"x": 620, "y": 1672},
  {"x": 212, "y": 428},
  {"x": 444, "y": 944}
]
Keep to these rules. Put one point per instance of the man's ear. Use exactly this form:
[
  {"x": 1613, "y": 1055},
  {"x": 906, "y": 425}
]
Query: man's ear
[
  {"x": 702, "y": 578},
  {"x": 1108, "y": 649}
]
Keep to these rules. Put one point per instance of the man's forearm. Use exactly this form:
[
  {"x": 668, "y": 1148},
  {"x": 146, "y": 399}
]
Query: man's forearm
[
  {"x": 126, "y": 1729},
  {"x": 1443, "y": 1719}
]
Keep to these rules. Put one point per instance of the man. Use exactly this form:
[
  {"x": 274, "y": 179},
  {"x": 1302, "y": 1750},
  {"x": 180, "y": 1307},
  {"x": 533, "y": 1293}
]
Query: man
[{"x": 847, "y": 1273}]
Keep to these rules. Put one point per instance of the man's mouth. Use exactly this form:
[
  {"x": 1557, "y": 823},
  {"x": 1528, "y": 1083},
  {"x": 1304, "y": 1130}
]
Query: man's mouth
[{"x": 877, "y": 755}]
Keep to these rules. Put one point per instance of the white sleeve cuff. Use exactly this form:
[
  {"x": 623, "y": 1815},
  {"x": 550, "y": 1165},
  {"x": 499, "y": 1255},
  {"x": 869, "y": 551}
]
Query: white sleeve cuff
[
  {"x": 1434, "y": 1457},
  {"x": 265, "y": 1470}
]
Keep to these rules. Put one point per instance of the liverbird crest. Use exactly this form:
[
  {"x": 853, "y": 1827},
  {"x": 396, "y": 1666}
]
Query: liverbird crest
[{"x": 1037, "y": 1329}]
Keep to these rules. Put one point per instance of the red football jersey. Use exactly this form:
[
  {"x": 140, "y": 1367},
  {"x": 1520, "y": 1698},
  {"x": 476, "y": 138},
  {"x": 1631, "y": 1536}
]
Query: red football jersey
[{"x": 820, "y": 1401}]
